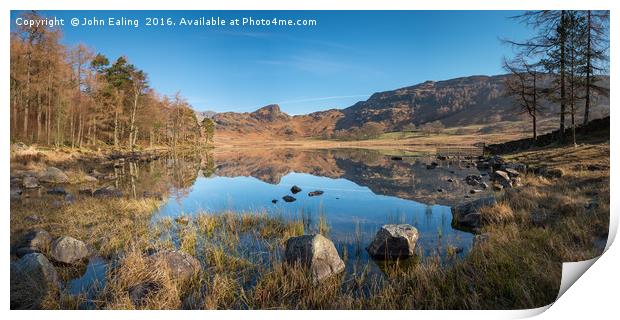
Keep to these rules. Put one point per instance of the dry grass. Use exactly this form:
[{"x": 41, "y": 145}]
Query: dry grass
[
  {"x": 133, "y": 270},
  {"x": 105, "y": 225}
]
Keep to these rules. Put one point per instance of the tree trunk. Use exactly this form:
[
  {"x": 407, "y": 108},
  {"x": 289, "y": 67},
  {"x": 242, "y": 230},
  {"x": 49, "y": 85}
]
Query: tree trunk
[
  {"x": 39, "y": 112},
  {"x": 27, "y": 105},
  {"x": 115, "y": 128},
  {"x": 132, "y": 119},
  {"x": 586, "y": 114},
  {"x": 562, "y": 76},
  {"x": 48, "y": 115}
]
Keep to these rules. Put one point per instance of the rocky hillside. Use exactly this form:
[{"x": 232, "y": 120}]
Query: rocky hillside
[
  {"x": 456, "y": 102},
  {"x": 271, "y": 122}
]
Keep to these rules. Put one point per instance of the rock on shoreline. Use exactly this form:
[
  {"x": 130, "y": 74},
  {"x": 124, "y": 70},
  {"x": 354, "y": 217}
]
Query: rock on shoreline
[
  {"x": 394, "y": 241},
  {"x": 316, "y": 253}
]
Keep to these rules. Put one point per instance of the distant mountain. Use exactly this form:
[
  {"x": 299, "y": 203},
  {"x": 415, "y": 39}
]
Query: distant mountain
[
  {"x": 271, "y": 122},
  {"x": 201, "y": 115},
  {"x": 455, "y": 102}
]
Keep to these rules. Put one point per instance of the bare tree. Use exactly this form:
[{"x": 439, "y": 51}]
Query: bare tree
[
  {"x": 549, "y": 47},
  {"x": 524, "y": 86},
  {"x": 597, "y": 44}
]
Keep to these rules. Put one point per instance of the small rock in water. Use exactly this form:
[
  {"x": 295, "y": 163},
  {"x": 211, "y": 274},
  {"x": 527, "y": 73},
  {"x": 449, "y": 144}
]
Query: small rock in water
[
  {"x": 182, "y": 265},
  {"x": 152, "y": 195},
  {"x": 440, "y": 190},
  {"x": 473, "y": 179},
  {"x": 36, "y": 240},
  {"x": 512, "y": 173},
  {"x": 33, "y": 218},
  {"x": 433, "y": 165},
  {"x": 274, "y": 201},
  {"x": 140, "y": 293},
  {"x": 481, "y": 238},
  {"x": 86, "y": 191},
  {"x": 15, "y": 193},
  {"x": 108, "y": 192},
  {"x": 30, "y": 182},
  {"x": 450, "y": 180},
  {"x": 316, "y": 253},
  {"x": 53, "y": 175},
  {"x": 295, "y": 189},
  {"x": 288, "y": 198},
  {"x": 502, "y": 178},
  {"x": 58, "y": 191},
  {"x": 394, "y": 241},
  {"x": 182, "y": 219},
  {"x": 69, "y": 198},
  {"x": 315, "y": 193},
  {"x": 474, "y": 191}
]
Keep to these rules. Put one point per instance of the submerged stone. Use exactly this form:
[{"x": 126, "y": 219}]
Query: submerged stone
[
  {"x": 37, "y": 240},
  {"x": 182, "y": 265},
  {"x": 315, "y": 193},
  {"x": 108, "y": 192}
]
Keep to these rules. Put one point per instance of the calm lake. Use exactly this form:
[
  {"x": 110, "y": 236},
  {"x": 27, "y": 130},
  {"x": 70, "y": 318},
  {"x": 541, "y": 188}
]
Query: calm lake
[{"x": 362, "y": 190}]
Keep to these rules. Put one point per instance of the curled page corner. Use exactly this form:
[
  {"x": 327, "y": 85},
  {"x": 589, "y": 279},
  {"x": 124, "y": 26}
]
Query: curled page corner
[
  {"x": 529, "y": 313},
  {"x": 571, "y": 271}
]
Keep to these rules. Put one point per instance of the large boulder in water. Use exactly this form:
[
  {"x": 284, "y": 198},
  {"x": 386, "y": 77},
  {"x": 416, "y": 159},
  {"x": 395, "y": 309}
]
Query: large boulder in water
[
  {"x": 182, "y": 265},
  {"x": 394, "y": 241},
  {"x": 68, "y": 250},
  {"x": 53, "y": 175},
  {"x": 33, "y": 278},
  {"x": 316, "y": 253}
]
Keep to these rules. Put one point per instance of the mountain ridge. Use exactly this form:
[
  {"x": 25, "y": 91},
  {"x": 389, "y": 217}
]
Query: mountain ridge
[{"x": 462, "y": 101}]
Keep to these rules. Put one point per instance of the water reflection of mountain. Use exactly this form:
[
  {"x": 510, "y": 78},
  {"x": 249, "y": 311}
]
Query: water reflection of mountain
[{"x": 407, "y": 179}]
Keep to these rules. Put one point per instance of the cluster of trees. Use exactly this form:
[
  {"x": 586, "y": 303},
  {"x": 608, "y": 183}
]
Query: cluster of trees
[
  {"x": 369, "y": 130},
  {"x": 73, "y": 97},
  {"x": 561, "y": 64}
]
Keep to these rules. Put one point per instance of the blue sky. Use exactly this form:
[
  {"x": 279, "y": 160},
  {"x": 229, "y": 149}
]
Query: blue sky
[{"x": 345, "y": 58}]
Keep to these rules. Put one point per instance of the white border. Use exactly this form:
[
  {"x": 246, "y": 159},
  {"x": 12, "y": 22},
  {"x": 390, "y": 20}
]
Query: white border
[{"x": 595, "y": 294}]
